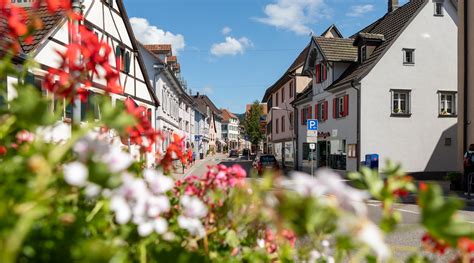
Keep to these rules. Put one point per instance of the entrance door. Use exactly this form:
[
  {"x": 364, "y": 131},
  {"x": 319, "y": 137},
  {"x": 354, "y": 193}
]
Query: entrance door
[{"x": 323, "y": 153}]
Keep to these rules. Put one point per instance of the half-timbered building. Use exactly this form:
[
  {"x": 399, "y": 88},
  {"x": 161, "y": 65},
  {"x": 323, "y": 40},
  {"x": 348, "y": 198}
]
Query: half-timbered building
[{"x": 109, "y": 21}]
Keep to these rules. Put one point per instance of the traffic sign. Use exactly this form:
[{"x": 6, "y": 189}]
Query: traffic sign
[
  {"x": 312, "y": 146},
  {"x": 312, "y": 125},
  {"x": 310, "y": 139},
  {"x": 197, "y": 138}
]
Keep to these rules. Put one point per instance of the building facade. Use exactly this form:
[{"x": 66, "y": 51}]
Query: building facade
[
  {"x": 230, "y": 129},
  {"x": 213, "y": 117},
  {"x": 281, "y": 133},
  {"x": 109, "y": 21},
  {"x": 379, "y": 92},
  {"x": 466, "y": 78},
  {"x": 175, "y": 116}
]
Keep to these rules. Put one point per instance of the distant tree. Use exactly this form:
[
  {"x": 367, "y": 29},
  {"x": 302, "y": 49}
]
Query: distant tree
[{"x": 252, "y": 127}]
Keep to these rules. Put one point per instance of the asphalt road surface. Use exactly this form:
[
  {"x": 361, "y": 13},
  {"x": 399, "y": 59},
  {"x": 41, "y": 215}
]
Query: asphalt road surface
[{"x": 404, "y": 242}]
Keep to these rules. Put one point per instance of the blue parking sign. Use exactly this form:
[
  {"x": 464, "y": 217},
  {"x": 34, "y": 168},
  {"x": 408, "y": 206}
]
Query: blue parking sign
[{"x": 312, "y": 125}]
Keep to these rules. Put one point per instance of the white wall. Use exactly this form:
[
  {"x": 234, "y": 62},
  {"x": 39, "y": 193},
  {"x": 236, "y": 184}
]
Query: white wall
[{"x": 417, "y": 142}]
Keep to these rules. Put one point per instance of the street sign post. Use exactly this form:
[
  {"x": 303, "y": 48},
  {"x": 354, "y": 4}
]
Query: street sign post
[{"x": 312, "y": 138}]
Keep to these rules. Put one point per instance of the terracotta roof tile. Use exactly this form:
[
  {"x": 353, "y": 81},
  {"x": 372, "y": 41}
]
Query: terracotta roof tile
[{"x": 50, "y": 21}]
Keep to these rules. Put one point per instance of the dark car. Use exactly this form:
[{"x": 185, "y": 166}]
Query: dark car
[
  {"x": 233, "y": 154},
  {"x": 266, "y": 162}
]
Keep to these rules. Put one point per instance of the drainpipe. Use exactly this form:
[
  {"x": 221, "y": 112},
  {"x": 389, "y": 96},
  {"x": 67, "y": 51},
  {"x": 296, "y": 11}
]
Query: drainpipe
[
  {"x": 466, "y": 77},
  {"x": 356, "y": 85},
  {"x": 76, "y": 38},
  {"x": 296, "y": 140}
]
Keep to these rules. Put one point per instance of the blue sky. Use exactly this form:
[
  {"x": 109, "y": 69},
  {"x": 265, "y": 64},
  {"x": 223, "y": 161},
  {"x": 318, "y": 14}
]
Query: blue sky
[{"x": 233, "y": 50}]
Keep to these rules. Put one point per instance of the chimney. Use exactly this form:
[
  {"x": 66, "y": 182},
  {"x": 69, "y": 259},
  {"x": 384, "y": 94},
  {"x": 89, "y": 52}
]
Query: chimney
[{"x": 392, "y": 5}]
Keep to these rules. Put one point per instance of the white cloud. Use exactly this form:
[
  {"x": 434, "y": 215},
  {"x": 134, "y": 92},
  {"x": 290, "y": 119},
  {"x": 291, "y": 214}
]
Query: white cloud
[
  {"x": 360, "y": 10},
  {"x": 226, "y": 30},
  {"x": 231, "y": 46},
  {"x": 294, "y": 15},
  {"x": 149, "y": 34}
]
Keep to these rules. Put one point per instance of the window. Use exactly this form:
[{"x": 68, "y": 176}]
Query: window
[
  {"x": 291, "y": 120},
  {"x": 283, "y": 95},
  {"x": 401, "y": 102},
  {"x": 277, "y": 99},
  {"x": 447, "y": 104},
  {"x": 321, "y": 72},
  {"x": 438, "y": 9},
  {"x": 283, "y": 128},
  {"x": 408, "y": 56},
  {"x": 322, "y": 111},
  {"x": 122, "y": 59},
  {"x": 341, "y": 107},
  {"x": 363, "y": 53},
  {"x": 306, "y": 114},
  {"x": 277, "y": 126}
]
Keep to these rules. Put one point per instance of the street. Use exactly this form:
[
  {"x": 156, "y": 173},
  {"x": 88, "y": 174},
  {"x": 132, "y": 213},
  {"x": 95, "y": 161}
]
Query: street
[{"x": 404, "y": 242}]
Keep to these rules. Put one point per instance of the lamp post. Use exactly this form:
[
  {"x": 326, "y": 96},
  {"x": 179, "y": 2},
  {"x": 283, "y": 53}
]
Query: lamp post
[{"x": 292, "y": 130}]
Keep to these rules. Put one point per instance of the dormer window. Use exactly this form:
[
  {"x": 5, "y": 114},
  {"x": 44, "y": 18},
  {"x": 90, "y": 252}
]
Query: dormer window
[
  {"x": 363, "y": 54},
  {"x": 438, "y": 9}
]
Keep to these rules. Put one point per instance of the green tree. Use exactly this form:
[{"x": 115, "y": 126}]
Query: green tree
[{"x": 252, "y": 126}]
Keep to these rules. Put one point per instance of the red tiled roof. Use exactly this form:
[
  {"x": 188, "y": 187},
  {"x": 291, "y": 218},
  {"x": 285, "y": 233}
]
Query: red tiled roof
[
  {"x": 158, "y": 47},
  {"x": 50, "y": 21}
]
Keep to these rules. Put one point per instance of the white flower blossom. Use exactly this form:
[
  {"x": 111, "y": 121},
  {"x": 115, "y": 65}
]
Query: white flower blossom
[
  {"x": 329, "y": 183},
  {"x": 122, "y": 210},
  {"x": 117, "y": 160},
  {"x": 159, "y": 183},
  {"x": 158, "y": 225},
  {"x": 58, "y": 133},
  {"x": 193, "y": 207},
  {"x": 76, "y": 174},
  {"x": 370, "y": 234},
  {"x": 192, "y": 225},
  {"x": 92, "y": 190}
]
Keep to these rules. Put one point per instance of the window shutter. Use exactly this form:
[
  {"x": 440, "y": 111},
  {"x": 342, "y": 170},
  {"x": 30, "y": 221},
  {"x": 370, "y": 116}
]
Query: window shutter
[
  {"x": 325, "y": 72},
  {"x": 346, "y": 105},
  {"x": 127, "y": 62},
  {"x": 310, "y": 113},
  {"x": 318, "y": 73},
  {"x": 118, "y": 58},
  {"x": 334, "y": 108},
  {"x": 316, "y": 111},
  {"x": 325, "y": 110}
]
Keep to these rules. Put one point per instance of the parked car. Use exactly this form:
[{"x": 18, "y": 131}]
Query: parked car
[
  {"x": 266, "y": 162},
  {"x": 233, "y": 154}
]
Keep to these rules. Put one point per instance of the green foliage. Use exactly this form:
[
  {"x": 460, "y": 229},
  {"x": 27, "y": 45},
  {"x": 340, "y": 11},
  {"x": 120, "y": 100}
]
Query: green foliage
[{"x": 252, "y": 125}]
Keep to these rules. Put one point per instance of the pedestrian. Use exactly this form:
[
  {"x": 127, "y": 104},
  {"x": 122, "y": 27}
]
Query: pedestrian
[
  {"x": 194, "y": 157},
  {"x": 468, "y": 166}
]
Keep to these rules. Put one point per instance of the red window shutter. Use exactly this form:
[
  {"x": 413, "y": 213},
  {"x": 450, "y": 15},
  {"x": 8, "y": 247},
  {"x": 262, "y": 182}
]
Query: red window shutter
[
  {"x": 325, "y": 72},
  {"x": 316, "y": 112},
  {"x": 318, "y": 73},
  {"x": 334, "y": 108},
  {"x": 346, "y": 105},
  {"x": 325, "y": 110}
]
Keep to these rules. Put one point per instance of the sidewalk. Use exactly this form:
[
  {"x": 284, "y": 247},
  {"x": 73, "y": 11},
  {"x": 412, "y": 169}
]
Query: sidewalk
[{"x": 178, "y": 173}]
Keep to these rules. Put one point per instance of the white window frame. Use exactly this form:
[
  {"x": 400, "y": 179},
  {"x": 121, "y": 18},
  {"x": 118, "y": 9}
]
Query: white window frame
[
  {"x": 400, "y": 111},
  {"x": 340, "y": 106},
  {"x": 443, "y": 103},
  {"x": 405, "y": 52}
]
